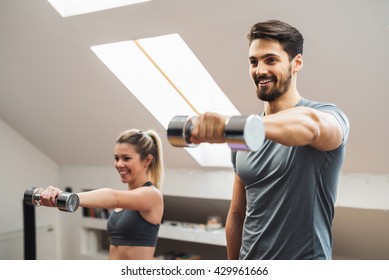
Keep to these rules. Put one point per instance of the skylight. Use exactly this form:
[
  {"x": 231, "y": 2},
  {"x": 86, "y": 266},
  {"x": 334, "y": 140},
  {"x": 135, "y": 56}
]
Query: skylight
[
  {"x": 67, "y": 8},
  {"x": 168, "y": 79}
]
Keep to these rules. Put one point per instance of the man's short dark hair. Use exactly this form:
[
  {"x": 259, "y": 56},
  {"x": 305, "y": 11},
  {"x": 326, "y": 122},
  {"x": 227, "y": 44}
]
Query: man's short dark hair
[{"x": 286, "y": 35}]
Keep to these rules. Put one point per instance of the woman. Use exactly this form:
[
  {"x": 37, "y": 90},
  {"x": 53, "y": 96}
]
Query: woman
[{"x": 134, "y": 223}]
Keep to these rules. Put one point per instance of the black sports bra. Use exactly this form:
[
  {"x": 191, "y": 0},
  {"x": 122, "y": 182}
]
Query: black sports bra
[{"x": 129, "y": 228}]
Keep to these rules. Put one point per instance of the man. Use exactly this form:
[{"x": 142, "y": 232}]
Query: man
[{"x": 284, "y": 194}]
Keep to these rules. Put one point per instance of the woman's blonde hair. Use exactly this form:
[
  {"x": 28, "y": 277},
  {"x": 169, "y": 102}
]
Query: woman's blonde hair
[{"x": 146, "y": 143}]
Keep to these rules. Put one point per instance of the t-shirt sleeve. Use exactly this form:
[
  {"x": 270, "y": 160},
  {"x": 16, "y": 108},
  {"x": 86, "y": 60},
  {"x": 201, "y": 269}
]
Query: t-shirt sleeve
[{"x": 338, "y": 114}]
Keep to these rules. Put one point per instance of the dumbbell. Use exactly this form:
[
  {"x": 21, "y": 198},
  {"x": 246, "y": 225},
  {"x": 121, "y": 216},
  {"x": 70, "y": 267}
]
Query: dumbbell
[
  {"x": 66, "y": 201},
  {"x": 240, "y": 132}
]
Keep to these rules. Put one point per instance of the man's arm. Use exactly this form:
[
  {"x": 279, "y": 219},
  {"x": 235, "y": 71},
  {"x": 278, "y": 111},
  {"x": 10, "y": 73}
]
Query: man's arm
[
  {"x": 235, "y": 219},
  {"x": 300, "y": 126},
  {"x": 297, "y": 126}
]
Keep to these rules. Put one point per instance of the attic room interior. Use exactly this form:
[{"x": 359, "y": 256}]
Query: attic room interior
[{"x": 63, "y": 103}]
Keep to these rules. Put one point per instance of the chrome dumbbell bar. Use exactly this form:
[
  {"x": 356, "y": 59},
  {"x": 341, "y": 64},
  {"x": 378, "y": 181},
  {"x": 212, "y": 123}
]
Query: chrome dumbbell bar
[{"x": 240, "y": 132}]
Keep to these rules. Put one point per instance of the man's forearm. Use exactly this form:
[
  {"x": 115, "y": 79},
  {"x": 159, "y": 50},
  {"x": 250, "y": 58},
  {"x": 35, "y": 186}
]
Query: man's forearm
[{"x": 234, "y": 226}]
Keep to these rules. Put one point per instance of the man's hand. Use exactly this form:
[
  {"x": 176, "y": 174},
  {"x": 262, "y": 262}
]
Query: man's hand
[{"x": 209, "y": 127}]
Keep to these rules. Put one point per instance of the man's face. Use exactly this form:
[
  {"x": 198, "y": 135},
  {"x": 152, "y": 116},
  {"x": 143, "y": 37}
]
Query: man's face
[{"x": 270, "y": 69}]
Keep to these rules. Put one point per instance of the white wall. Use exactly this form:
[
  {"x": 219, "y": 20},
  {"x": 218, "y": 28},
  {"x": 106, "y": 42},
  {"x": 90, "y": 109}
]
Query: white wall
[
  {"x": 368, "y": 191},
  {"x": 21, "y": 166}
]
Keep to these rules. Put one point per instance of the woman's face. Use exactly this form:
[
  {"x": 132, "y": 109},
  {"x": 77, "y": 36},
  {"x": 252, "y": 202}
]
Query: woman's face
[{"x": 128, "y": 163}]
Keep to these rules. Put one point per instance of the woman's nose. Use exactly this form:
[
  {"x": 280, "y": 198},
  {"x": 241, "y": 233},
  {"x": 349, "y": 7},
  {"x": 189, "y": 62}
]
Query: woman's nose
[{"x": 119, "y": 163}]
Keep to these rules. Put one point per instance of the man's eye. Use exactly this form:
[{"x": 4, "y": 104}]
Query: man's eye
[
  {"x": 254, "y": 63},
  {"x": 271, "y": 60}
]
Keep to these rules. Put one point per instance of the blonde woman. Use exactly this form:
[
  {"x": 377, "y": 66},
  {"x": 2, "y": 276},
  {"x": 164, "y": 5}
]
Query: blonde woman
[{"x": 134, "y": 223}]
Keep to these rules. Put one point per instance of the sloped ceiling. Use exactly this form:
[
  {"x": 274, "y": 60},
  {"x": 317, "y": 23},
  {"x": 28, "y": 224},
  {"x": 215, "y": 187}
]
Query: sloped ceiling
[{"x": 57, "y": 94}]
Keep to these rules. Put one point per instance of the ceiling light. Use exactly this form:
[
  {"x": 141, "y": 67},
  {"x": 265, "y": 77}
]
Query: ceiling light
[{"x": 67, "y": 8}]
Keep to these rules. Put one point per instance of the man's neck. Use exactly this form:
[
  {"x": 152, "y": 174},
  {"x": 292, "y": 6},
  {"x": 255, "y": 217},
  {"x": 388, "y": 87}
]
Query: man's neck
[{"x": 286, "y": 101}]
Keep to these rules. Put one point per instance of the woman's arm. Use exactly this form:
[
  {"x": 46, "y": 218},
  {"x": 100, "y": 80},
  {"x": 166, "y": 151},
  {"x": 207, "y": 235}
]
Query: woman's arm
[{"x": 141, "y": 199}]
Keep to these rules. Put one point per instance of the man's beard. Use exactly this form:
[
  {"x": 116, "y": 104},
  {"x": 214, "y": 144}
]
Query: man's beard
[{"x": 275, "y": 92}]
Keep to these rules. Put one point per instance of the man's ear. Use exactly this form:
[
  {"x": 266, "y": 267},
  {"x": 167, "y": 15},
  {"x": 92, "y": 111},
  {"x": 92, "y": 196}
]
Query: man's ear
[{"x": 297, "y": 63}]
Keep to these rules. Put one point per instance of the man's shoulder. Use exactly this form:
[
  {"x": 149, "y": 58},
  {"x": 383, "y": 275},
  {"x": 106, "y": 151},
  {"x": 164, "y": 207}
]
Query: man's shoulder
[{"x": 316, "y": 104}]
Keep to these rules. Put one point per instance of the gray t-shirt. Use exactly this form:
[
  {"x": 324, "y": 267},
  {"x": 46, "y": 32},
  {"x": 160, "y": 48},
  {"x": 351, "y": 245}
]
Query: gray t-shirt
[{"x": 290, "y": 193}]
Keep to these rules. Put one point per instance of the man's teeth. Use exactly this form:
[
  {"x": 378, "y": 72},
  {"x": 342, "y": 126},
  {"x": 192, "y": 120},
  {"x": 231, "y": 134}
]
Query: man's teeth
[{"x": 264, "y": 81}]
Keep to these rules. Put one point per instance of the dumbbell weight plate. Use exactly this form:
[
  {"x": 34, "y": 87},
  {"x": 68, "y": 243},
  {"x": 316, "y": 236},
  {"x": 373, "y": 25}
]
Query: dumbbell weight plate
[
  {"x": 244, "y": 132},
  {"x": 179, "y": 131},
  {"x": 32, "y": 196},
  {"x": 68, "y": 202}
]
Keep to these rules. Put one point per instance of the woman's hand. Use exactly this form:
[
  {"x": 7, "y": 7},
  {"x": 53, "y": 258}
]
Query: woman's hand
[{"x": 48, "y": 197}]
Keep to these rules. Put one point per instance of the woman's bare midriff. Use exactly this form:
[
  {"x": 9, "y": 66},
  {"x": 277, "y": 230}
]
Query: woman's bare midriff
[{"x": 117, "y": 252}]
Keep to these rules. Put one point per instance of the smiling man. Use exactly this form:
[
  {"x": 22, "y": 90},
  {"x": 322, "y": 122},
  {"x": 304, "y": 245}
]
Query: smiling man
[{"x": 284, "y": 193}]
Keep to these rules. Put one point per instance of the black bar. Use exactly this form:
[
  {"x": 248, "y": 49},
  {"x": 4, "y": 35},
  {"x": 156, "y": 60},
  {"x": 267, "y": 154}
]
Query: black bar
[{"x": 29, "y": 232}]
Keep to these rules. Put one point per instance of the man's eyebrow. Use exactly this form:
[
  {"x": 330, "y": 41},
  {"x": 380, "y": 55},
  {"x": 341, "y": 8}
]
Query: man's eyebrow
[{"x": 264, "y": 56}]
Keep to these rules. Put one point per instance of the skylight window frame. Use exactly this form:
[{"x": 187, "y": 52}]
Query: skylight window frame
[{"x": 157, "y": 55}]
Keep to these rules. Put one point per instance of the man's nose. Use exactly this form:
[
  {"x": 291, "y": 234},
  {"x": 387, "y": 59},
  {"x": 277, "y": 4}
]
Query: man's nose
[{"x": 260, "y": 69}]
